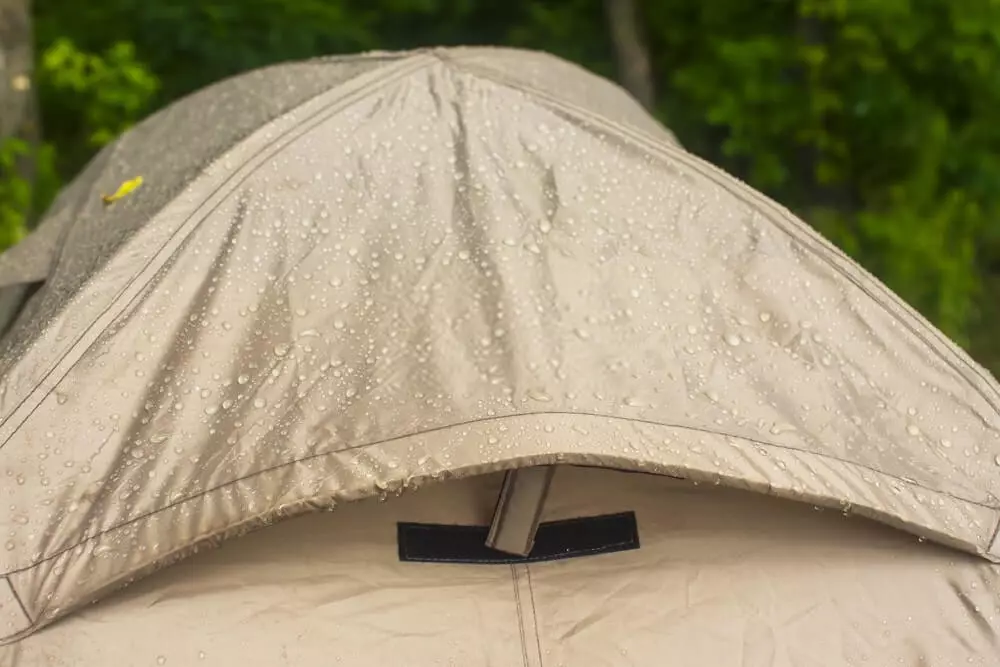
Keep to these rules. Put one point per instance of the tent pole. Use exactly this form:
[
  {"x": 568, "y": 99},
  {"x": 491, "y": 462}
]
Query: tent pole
[{"x": 519, "y": 509}]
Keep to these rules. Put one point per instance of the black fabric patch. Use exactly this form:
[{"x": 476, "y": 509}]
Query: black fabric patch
[{"x": 555, "y": 540}]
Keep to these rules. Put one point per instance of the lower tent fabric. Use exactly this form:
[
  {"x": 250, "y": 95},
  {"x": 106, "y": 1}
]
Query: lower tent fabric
[{"x": 722, "y": 578}]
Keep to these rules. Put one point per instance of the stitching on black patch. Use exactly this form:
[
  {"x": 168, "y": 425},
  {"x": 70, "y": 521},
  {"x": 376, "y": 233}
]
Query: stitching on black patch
[{"x": 555, "y": 540}]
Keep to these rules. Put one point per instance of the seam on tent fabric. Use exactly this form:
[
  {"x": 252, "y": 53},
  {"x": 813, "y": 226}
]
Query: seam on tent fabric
[
  {"x": 783, "y": 219},
  {"x": 20, "y": 602},
  {"x": 534, "y": 615},
  {"x": 470, "y": 422},
  {"x": 306, "y": 124},
  {"x": 994, "y": 543},
  {"x": 520, "y": 615}
]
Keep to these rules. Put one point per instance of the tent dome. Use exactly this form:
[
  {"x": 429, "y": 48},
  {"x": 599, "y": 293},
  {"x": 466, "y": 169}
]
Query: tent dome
[{"x": 374, "y": 284}]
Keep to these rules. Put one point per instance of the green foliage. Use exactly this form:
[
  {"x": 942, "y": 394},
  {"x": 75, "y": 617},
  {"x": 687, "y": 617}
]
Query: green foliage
[
  {"x": 15, "y": 192},
  {"x": 89, "y": 99},
  {"x": 872, "y": 118},
  {"x": 190, "y": 43},
  {"x": 24, "y": 192}
]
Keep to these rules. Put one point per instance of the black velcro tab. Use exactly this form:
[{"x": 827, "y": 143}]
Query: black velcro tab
[{"x": 555, "y": 540}]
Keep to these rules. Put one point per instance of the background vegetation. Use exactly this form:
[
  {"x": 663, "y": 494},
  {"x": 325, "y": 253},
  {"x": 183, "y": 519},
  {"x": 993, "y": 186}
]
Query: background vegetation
[{"x": 875, "y": 120}]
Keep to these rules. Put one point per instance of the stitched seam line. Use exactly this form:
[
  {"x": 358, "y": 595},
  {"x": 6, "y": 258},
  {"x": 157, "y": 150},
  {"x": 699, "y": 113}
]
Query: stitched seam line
[
  {"x": 311, "y": 457},
  {"x": 534, "y": 616},
  {"x": 520, "y": 615},
  {"x": 20, "y": 602}
]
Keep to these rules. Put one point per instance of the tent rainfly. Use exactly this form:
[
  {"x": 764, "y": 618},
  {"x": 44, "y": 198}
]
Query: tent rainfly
[{"x": 574, "y": 397}]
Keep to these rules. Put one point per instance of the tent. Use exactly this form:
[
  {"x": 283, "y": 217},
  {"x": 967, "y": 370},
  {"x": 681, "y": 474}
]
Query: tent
[{"x": 457, "y": 357}]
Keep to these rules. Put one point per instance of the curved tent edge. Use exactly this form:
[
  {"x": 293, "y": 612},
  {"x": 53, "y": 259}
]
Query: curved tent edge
[{"x": 764, "y": 468}]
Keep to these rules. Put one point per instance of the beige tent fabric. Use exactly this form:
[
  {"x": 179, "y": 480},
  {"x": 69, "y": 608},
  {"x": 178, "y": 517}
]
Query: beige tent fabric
[
  {"x": 722, "y": 579},
  {"x": 434, "y": 269},
  {"x": 170, "y": 150}
]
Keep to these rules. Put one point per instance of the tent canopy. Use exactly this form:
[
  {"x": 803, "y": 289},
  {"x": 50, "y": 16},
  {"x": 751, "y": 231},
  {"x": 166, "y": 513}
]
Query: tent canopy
[{"x": 349, "y": 277}]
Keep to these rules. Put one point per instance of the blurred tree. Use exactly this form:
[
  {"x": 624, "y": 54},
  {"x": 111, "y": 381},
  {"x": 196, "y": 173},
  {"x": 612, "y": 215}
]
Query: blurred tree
[
  {"x": 18, "y": 119},
  {"x": 630, "y": 50}
]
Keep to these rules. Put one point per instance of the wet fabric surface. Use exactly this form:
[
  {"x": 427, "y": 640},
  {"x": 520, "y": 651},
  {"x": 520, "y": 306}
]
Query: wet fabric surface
[{"x": 430, "y": 270}]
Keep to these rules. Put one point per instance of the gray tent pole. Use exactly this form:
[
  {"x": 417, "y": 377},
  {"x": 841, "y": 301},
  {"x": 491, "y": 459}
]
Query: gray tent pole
[{"x": 519, "y": 510}]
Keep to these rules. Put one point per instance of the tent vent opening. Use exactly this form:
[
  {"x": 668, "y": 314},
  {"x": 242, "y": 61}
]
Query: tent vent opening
[{"x": 554, "y": 540}]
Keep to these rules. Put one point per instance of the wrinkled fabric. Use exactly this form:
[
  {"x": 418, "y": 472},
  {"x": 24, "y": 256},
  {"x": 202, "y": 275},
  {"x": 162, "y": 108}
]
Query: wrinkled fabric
[
  {"x": 431, "y": 269},
  {"x": 722, "y": 578}
]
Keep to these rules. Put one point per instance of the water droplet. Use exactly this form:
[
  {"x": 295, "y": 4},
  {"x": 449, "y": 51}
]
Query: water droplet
[
  {"x": 765, "y": 317},
  {"x": 996, "y": 459},
  {"x": 539, "y": 395},
  {"x": 9, "y": 545},
  {"x": 733, "y": 340},
  {"x": 243, "y": 379},
  {"x": 280, "y": 350}
]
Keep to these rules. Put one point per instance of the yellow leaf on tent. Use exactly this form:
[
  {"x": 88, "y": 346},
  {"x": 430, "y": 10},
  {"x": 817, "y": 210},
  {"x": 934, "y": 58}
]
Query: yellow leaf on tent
[{"x": 123, "y": 189}]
